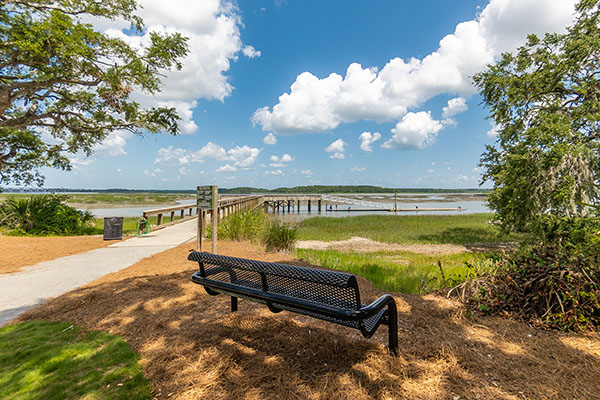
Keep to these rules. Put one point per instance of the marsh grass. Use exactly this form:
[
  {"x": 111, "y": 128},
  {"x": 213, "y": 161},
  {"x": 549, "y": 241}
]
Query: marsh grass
[
  {"x": 421, "y": 229},
  {"x": 117, "y": 198},
  {"x": 49, "y": 360},
  {"x": 242, "y": 225},
  {"x": 396, "y": 271},
  {"x": 280, "y": 236}
]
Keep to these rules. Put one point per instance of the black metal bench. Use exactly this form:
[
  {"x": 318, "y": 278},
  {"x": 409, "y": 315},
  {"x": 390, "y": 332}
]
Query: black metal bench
[{"x": 327, "y": 295}]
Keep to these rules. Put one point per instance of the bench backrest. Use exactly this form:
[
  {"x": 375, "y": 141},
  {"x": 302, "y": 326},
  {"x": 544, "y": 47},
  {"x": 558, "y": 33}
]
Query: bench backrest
[{"x": 329, "y": 288}]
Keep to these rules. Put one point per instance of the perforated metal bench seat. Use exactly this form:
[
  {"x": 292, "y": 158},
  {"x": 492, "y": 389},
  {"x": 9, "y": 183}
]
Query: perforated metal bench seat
[{"x": 327, "y": 295}]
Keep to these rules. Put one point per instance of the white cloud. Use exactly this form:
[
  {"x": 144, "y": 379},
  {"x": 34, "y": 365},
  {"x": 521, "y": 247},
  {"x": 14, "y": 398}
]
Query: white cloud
[
  {"x": 306, "y": 172},
  {"x": 337, "y": 148},
  {"x": 415, "y": 131},
  {"x": 455, "y": 106},
  {"x": 150, "y": 174},
  {"x": 251, "y": 52},
  {"x": 279, "y": 162},
  {"x": 226, "y": 168},
  {"x": 270, "y": 139},
  {"x": 356, "y": 168},
  {"x": 185, "y": 171},
  {"x": 212, "y": 27},
  {"x": 367, "y": 139},
  {"x": 494, "y": 130},
  {"x": 243, "y": 157},
  {"x": 113, "y": 145},
  {"x": 80, "y": 160},
  {"x": 276, "y": 172},
  {"x": 317, "y": 105},
  {"x": 169, "y": 155}
]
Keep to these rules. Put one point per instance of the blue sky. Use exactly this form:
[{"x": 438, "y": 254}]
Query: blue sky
[{"x": 301, "y": 92}]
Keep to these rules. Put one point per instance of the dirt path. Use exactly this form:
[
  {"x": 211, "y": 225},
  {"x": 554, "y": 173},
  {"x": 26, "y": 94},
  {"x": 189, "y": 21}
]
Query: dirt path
[
  {"x": 192, "y": 347},
  {"x": 19, "y": 251},
  {"x": 364, "y": 245}
]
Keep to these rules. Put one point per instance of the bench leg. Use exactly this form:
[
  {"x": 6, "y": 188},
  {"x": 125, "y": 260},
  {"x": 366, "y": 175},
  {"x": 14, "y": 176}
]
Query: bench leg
[
  {"x": 393, "y": 328},
  {"x": 234, "y": 302}
]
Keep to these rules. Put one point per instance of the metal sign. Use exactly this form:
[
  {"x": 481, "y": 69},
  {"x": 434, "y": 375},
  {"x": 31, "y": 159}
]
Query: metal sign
[{"x": 204, "y": 197}]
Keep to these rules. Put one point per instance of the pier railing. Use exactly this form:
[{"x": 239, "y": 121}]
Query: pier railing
[{"x": 227, "y": 205}]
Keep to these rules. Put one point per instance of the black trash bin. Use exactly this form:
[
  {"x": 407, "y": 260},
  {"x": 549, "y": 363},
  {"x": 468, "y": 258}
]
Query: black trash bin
[{"x": 113, "y": 228}]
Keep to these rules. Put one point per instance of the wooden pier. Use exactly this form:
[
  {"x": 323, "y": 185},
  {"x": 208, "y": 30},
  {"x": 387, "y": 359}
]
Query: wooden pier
[{"x": 229, "y": 204}]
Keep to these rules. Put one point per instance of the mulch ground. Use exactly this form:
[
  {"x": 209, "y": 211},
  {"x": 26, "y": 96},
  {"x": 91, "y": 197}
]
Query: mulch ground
[
  {"x": 18, "y": 251},
  {"x": 192, "y": 347}
]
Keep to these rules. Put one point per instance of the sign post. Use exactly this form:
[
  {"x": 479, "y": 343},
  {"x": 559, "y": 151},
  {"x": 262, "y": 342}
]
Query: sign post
[
  {"x": 215, "y": 217},
  {"x": 205, "y": 200}
]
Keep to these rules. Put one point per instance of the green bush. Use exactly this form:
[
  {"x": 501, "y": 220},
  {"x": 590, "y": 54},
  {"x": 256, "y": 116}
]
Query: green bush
[
  {"x": 279, "y": 236},
  {"x": 243, "y": 225},
  {"x": 43, "y": 215},
  {"x": 554, "y": 282}
]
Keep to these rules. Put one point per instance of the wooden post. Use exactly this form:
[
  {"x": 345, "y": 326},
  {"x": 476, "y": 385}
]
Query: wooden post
[
  {"x": 298, "y": 206},
  {"x": 172, "y": 215},
  {"x": 159, "y": 219},
  {"x": 308, "y": 205},
  {"x": 319, "y": 205},
  {"x": 215, "y": 216},
  {"x": 200, "y": 216}
]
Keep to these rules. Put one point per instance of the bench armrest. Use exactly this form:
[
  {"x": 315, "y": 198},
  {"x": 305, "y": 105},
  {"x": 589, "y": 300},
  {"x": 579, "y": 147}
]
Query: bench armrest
[{"x": 376, "y": 306}]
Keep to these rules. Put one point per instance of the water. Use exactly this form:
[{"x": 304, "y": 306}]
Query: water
[
  {"x": 405, "y": 201},
  {"x": 131, "y": 211}
]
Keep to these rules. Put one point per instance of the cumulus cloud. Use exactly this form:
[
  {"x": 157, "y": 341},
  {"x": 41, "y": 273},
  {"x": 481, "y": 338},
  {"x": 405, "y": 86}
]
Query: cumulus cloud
[
  {"x": 337, "y": 148},
  {"x": 251, "y": 52},
  {"x": 276, "y": 172},
  {"x": 212, "y": 27},
  {"x": 356, "y": 168},
  {"x": 306, "y": 172},
  {"x": 455, "y": 106},
  {"x": 243, "y": 157},
  {"x": 113, "y": 145},
  {"x": 367, "y": 139},
  {"x": 414, "y": 131},
  {"x": 494, "y": 130},
  {"x": 319, "y": 104},
  {"x": 270, "y": 139},
  {"x": 226, "y": 168},
  {"x": 282, "y": 161}
]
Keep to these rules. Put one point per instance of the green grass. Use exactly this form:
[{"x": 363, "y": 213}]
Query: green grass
[
  {"x": 48, "y": 360},
  {"x": 396, "y": 271},
  {"x": 130, "y": 223},
  {"x": 91, "y": 199},
  {"x": 424, "y": 229}
]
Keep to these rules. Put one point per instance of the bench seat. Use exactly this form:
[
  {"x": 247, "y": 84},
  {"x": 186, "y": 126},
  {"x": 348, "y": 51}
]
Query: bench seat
[{"x": 327, "y": 295}]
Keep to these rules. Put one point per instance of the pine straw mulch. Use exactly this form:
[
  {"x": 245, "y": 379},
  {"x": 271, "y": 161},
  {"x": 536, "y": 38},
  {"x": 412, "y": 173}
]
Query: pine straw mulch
[
  {"x": 192, "y": 347},
  {"x": 19, "y": 251}
]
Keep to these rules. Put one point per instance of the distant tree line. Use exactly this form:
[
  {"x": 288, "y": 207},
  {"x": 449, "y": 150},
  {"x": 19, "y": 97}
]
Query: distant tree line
[{"x": 314, "y": 189}]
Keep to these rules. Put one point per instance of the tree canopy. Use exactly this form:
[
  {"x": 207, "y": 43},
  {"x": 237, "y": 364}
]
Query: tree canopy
[
  {"x": 545, "y": 102},
  {"x": 64, "y": 86}
]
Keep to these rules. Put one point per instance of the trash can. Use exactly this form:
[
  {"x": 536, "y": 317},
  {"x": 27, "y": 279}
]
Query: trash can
[{"x": 113, "y": 228}]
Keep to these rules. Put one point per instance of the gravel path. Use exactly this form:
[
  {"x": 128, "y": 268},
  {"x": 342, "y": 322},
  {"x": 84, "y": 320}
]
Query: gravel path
[{"x": 37, "y": 283}]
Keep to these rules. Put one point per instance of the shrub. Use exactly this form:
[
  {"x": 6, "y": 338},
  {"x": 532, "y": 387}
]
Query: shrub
[
  {"x": 43, "y": 215},
  {"x": 554, "y": 282},
  {"x": 243, "y": 225},
  {"x": 280, "y": 236}
]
